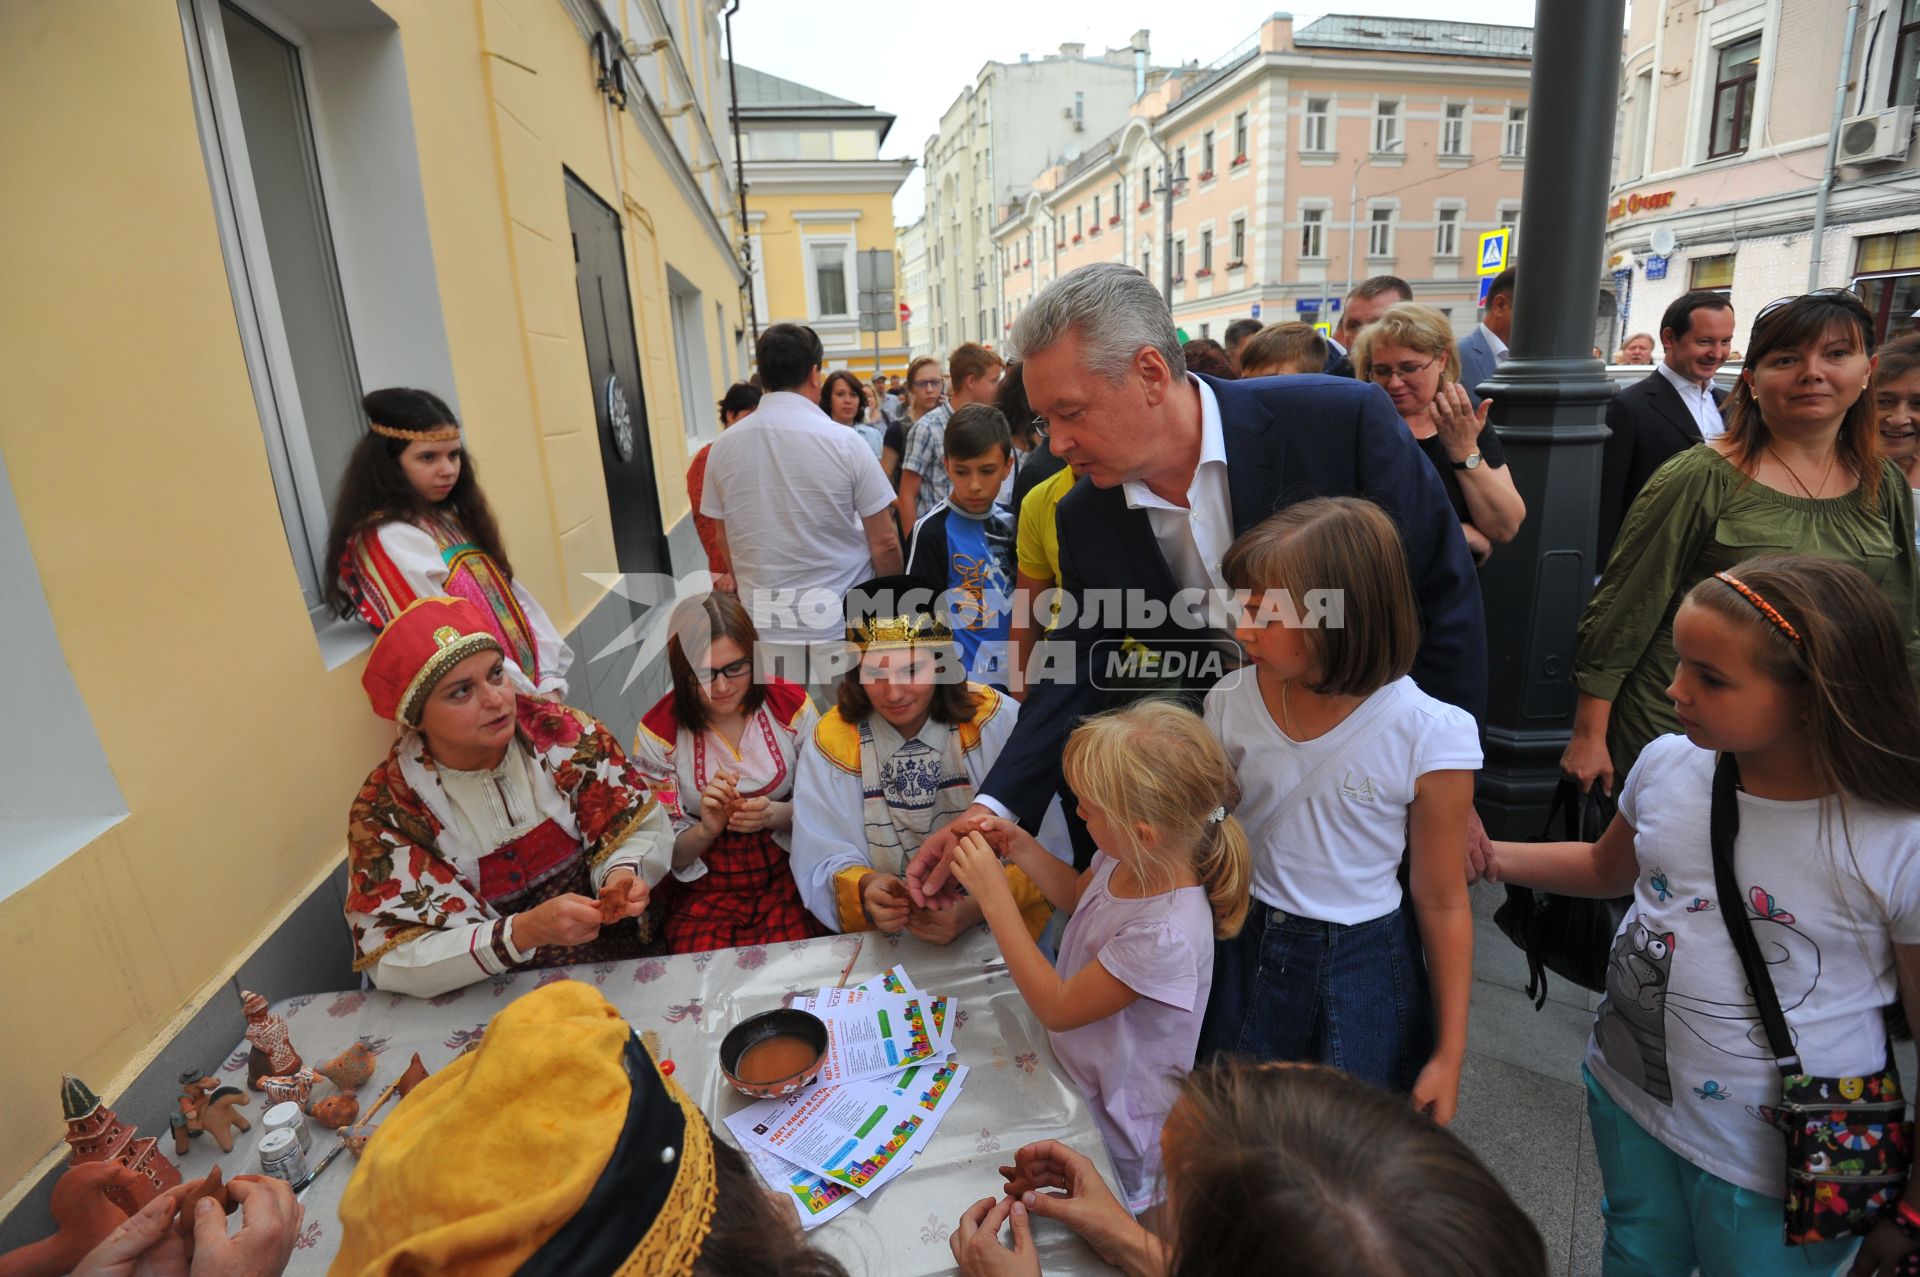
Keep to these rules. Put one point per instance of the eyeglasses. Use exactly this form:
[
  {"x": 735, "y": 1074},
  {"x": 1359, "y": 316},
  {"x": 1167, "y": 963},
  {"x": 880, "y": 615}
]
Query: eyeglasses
[
  {"x": 1827, "y": 294},
  {"x": 935, "y": 384},
  {"x": 737, "y": 669},
  {"x": 1384, "y": 373}
]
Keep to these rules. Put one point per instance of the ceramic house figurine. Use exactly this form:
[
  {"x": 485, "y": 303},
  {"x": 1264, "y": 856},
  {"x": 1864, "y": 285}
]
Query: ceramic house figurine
[
  {"x": 350, "y": 1069},
  {"x": 273, "y": 1054},
  {"x": 97, "y": 1134},
  {"x": 85, "y": 1209}
]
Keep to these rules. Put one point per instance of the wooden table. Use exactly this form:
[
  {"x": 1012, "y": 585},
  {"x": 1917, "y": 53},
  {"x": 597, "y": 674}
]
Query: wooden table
[{"x": 1015, "y": 1093}]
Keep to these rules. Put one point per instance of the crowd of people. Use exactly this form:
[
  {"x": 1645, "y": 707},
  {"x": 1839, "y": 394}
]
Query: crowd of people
[{"x": 1232, "y": 887}]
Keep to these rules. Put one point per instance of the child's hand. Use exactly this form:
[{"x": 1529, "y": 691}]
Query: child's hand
[
  {"x": 716, "y": 804},
  {"x": 1004, "y": 836},
  {"x": 1436, "y": 1092},
  {"x": 979, "y": 870},
  {"x": 885, "y": 899},
  {"x": 749, "y": 815}
]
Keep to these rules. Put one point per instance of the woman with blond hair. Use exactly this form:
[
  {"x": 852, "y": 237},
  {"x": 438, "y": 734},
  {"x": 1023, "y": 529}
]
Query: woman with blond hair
[{"x": 1409, "y": 352}]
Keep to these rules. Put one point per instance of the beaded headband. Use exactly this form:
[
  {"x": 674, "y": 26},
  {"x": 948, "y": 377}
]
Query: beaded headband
[
  {"x": 439, "y": 434},
  {"x": 1760, "y": 605}
]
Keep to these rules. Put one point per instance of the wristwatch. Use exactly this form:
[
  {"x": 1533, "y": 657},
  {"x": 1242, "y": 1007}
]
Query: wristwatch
[{"x": 1471, "y": 463}]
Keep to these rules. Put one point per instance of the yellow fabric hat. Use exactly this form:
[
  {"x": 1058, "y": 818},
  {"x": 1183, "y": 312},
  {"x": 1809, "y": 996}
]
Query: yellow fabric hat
[{"x": 556, "y": 1147}]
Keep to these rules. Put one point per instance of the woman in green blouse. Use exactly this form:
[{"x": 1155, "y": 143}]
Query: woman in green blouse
[{"x": 1797, "y": 472}]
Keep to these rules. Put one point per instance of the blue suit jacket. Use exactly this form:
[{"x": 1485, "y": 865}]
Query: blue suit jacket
[
  {"x": 1287, "y": 439},
  {"x": 1476, "y": 362}
]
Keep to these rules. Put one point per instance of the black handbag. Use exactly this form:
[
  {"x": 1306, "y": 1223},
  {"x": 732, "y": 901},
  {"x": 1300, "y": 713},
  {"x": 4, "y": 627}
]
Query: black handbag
[
  {"x": 1570, "y": 936},
  {"x": 1849, "y": 1144}
]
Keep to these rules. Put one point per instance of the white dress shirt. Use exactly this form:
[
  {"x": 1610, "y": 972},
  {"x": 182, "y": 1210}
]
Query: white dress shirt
[
  {"x": 1494, "y": 344},
  {"x": 1698, "y": 399}
]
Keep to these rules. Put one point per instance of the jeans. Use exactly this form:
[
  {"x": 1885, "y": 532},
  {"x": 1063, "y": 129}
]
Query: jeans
[{"x": 1354, "y": 997}]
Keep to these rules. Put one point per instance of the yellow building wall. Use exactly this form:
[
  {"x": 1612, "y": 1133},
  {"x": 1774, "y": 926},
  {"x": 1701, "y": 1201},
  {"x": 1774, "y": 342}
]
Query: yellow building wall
[
  {"x": 136, "y": 456},
  {"x": 784, "y": 263}
]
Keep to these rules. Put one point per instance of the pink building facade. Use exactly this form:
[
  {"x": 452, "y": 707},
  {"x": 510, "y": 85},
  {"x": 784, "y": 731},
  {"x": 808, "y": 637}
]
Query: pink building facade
[{"x": 1301, "y": 163}]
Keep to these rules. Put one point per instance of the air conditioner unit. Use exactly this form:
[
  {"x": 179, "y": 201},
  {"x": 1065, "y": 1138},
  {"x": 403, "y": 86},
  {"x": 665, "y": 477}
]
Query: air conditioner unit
[{"x": 1877, "y": 135}]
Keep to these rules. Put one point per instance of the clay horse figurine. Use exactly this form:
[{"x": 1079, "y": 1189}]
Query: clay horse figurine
[
  {"x": 195, "y": 1086},
  {"x": 85, "y": 1215},
  {"x": 273, "y": 1054}
]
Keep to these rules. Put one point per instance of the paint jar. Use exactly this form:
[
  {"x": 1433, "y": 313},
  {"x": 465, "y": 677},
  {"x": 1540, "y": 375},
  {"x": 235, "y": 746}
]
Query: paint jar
[
  {"x": 287, "y": 1116},
  {"x": 281, "y": 1158}
]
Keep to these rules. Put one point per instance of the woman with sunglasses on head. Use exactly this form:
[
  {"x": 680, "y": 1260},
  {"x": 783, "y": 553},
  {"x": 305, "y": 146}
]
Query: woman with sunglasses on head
[
  {"x": 720, "y": 750},
  {"x": 1410, "y": 353},
  {"x": 1798, "y": 471}
]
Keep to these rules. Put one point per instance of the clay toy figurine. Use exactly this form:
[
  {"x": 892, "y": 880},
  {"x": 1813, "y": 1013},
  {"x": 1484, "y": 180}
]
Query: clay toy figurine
[
  {"x": 416, "y": 1074},
  {"x": 208, "y": 1187},
  {"x": 184, "y": 1121},
  {"x": 85, "y": 1215},
  {"x": 613, "y": 902},
  {"x": 220, "y": 1114},
  {"x": 336, "y": 1111},
  {"x": 355, "y": 1137},
  {"x": 350, "y": 1069},
  {"x": 297, "y": 1087},
  {"x": 273, "y": 1054}
]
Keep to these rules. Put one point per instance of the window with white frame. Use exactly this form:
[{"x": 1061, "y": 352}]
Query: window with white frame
[
  {"x": 1737, "y": 73},
  {"x": 1206, "y": 251},
  {"x": 1240, "y": 129},
  {"x": 1119, "y": 199},
  {"x": 1206, "y": 153},
  {"x": 1315, "y": 125},
  {"x": 1633, "y": 143},
  {"x": 1453, "y": 129},
  {"x": 1380, "y": 231},
  {"x": 1386, "y": 127},
  {"x": 1513, "y": 142},
  {"x": 1096, "y": 211},
  {"x": 1313, "y": 232},
  {"x": 1510, "y": 223},
  {"x": 276, "y": 142},
  {"x": 1446, "y": 232},
  {"x": 1179, "y": 258},
  {"x": 1239, "y": 241},
  {"x": 829, "y": 261},
  {"x": 1146, "y": 255},
  {"x": 1180, "y": 162}
]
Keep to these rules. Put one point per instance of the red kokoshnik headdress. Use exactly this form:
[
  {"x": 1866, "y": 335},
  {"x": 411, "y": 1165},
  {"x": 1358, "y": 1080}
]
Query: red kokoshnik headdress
[{"x": 415, "y": 651}]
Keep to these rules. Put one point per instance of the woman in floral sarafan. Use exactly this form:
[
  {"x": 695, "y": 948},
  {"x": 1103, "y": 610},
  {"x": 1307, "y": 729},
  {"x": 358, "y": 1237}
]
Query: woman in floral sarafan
[{"x": 502, "y": 831}]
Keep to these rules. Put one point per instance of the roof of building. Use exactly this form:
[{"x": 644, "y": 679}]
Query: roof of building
[
  {"x": 1416, "y": 35},
  {"x": 762, "y": 97},
  {"x": 76, "y": 1100},
  {"x": 1098, "y": 153}
]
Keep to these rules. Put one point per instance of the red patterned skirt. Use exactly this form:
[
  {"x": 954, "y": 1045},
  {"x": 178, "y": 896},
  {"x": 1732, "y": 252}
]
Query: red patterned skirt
[{"x": 747, "y": 896}]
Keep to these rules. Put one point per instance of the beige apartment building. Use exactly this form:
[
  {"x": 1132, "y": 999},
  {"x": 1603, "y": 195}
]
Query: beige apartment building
[
  {"x": 1726, "y": 114},
  {"x": 1302, "y": 162}
]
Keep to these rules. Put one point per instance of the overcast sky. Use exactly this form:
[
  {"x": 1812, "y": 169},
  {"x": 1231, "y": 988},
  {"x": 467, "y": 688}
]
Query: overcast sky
[{"x": 912, "y": 61}]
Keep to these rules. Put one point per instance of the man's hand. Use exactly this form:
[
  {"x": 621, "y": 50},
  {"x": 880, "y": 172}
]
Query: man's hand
[
  {"x": 884, "y": 897},
  {"x": 269, "y": 1225},
  {"x": 943, "y": 926},
  {"x": 976, "y": 1243},
  {"x": 144, "y": 1246},
  {"x": 929, "y": 880},
  {"x": 564, "y": 920},
  {"x": 636, "y": 890},
  {"x": 1087, "y": 1206}
]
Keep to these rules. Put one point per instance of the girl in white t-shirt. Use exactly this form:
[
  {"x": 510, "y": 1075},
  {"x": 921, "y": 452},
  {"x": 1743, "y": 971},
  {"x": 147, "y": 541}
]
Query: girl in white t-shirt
[
  {"x": 1344, "y": 767},
  {"x": 1793, "y": 665}
]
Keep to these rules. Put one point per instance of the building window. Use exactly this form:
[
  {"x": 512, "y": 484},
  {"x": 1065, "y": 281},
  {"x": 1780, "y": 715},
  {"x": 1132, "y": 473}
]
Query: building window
[
  {"x": 1510, "y": 223},
  {"x": 1446, "y": 233},
  {"x": 1180, "y": 163},
  {"x": 1888, "y": 271},
  {"x": 1206, "y": 154},
  {"x": 1514, "y": 143},
  {"x": 1313, "y": 232},
  {"x": 1711, "y": 272},
  {"x": 1206, "y": 251},
  {"x": 1146, "y": 184},
  {"x": 1146, "y": 256},
  {"x": 1386, "y": 127},
  {"x": 1079, "y": 107},
  {"x": 1739, "y": 71},
  {"x": 1453, "y": 129},
  {"x": 293, "y": 256},
  {"x": 1096, "y": 212},
  {"x": 1633, "y": 143},
  {"x": 1240, "y": 132},
  {"x": 1079, "y": 221},
  {"x": 1239, "y": 241},
  {"x": 1119, "y": 200},
  {"x": 1380, "y": 232},
  {"x": 1314, "y": 126},
  {"x": 1905, "y": 89},
  {"x": 829, "y": 280},
  {"x": 1179, "y": 259},
  {"x": 1206, "y": 331}
]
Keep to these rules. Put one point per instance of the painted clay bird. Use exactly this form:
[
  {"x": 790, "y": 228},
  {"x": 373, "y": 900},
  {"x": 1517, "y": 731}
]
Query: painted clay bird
[
  {"x": 350, "y": 1069},
  {"x": 336, "y": 1111}
]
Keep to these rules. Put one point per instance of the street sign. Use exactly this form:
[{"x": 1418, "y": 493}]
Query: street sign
[
  {"x": 1493, "y": 251},
  {"x": 1486, "y": 286},
  {"x": 878, "y": 312},
  {"x": 1256, "y": 310},
  {"x": 874, "y": 271},
  {"x": 1656, "y": 266},
  {"x": 1324, "y": 329},
  {"x": 906, "y": 312}
]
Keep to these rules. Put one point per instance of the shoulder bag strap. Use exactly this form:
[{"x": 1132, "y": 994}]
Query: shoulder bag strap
[{"x": 1725, "y": 827}]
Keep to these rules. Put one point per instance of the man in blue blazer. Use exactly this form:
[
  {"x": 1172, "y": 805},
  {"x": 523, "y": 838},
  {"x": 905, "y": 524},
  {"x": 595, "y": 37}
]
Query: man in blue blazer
[
  {"x": 1485, "y": 348},
  {"x": 1172, "y": 467}
]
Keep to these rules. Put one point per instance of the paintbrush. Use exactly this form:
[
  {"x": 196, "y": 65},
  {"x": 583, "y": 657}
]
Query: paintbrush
[{"x": 858, "y": 944}]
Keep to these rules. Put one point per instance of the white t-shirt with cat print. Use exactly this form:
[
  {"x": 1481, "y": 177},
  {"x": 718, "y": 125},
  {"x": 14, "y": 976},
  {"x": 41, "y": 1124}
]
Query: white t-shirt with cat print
[
  {"x": 1678, "y": 1042},
  {"x": 1336, "y": 857}
]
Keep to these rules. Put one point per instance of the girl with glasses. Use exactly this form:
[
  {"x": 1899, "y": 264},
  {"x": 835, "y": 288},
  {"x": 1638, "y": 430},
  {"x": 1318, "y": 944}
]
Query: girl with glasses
[
  {"x": 720, "y": 748},
  {"x": 1410, "y": 353}
]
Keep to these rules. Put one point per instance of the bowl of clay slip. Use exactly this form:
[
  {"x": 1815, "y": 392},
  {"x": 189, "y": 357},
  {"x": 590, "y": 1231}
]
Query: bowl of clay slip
[{"x": 774, "y": 1053}]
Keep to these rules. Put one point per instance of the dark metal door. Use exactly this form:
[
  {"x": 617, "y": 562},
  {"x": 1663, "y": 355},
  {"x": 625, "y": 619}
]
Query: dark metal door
[{"x": 619, "y": 399}]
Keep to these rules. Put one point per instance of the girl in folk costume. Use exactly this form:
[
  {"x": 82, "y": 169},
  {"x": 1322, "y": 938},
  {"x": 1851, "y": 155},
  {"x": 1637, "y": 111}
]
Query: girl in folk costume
[
  {"x": 722, "y": 746},
  {"x": 410, "y": 522},
  {"x": 501, "y": 831},
  {"x": 901, "y": 755}
]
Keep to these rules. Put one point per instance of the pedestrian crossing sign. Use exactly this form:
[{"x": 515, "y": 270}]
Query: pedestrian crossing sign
[
  {"x": 1325, "y": 330},
  {"x": 1493, "y": 251}
]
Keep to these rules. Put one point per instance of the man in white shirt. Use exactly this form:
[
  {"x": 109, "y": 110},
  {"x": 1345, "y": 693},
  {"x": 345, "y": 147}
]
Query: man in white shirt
[
  {"x": 1485, "y": 348},
  {"x": 1671, "y": 409},
  {"x": 802, "y": 508}
]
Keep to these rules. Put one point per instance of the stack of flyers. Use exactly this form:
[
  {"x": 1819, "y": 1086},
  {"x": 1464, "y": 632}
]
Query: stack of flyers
[{"x": 861, "y": 1124}]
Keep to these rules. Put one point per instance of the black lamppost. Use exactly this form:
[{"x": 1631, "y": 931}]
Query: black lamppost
[{"x": 1549, "y": 403}]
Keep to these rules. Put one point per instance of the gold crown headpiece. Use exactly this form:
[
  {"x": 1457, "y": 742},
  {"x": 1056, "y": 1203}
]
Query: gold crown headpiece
[{"x": 918, "y": 630}]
